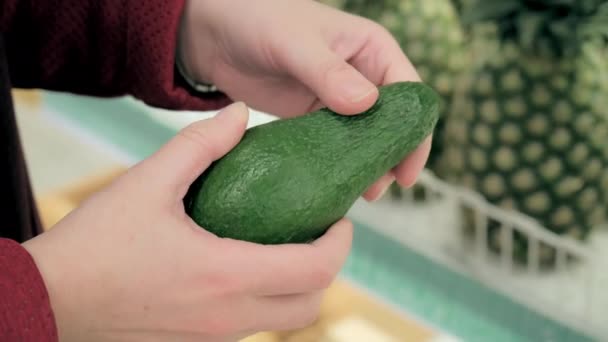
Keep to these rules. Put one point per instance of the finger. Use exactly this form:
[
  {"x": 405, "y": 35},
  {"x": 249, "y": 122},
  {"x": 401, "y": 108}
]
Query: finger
[
  {"x": 398, "y": 66},
  {"x": 382, "y": 60},
  {"x": 180, "y": 161},
  {"x": 288, "y": 312},
  {"x": 269, "y": 270},
  {"x": 408, "y": 170},
  {"x": 376, "y": 190},
  {"x": 337, "y": 83}
]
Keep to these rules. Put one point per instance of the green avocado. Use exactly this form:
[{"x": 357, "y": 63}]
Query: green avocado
[{"x": 288, "y": 181}]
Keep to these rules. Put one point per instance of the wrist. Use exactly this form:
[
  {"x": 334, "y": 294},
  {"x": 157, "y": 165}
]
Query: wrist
[
  {"x": 194, "y": 49},
  {"x": 67, "y": 302},
  {"x": 198, "y": 86}
]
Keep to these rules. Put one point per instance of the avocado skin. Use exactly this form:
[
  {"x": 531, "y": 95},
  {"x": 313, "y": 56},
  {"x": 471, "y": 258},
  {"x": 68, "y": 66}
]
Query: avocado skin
[{"x": 288, "y": 181}]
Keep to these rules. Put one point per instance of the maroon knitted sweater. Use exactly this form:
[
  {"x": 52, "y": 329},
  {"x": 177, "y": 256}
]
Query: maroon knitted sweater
[{"x": 92, "y": 47}]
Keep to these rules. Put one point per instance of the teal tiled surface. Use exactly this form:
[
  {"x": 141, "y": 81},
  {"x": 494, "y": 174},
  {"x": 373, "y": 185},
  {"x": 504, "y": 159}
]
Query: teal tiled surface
[
  {"x": 448, "y": 300},
  {"x": 445, "y": 299},
  {"x": 119, "y": 122}
]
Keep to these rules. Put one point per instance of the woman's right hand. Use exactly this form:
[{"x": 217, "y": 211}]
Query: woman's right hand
[{"x": 130, "y": 265}]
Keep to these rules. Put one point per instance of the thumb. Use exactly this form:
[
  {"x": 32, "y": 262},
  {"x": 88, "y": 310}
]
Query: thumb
[
  {"x": 334, "y": 81},
  {"x": 181, "y": 160}
]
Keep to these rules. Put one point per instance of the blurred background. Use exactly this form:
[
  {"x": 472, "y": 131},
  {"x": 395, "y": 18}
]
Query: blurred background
[{"x": 503, "y": 239}]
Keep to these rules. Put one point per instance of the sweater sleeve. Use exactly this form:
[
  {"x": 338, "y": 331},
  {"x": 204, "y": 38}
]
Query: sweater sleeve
[
  {"x": 25, "y": 309},
  {"x": 100, "y": 48}
]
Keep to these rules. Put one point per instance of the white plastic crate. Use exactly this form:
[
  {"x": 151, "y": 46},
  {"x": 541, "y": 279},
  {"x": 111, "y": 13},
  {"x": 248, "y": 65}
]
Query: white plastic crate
[{"x": 573, "y": 294}]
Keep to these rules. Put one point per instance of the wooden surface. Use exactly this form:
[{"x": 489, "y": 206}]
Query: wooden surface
[
  {"x": 347, "y": 313},
  {"x": 350, "y": 315},
  {"x": 56, "y": 204}
]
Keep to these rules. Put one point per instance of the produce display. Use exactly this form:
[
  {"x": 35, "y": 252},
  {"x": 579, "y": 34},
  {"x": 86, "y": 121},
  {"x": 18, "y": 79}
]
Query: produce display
[
  {"x": 528, "y": 127},
  {"x": 293, "y": 178},
  {"x": 525, "y": 115}
]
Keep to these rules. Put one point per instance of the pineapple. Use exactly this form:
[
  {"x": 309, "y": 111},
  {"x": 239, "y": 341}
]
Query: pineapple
[
  {"x": 430, "y": 34},
  {"x": 529, "y": 125}
]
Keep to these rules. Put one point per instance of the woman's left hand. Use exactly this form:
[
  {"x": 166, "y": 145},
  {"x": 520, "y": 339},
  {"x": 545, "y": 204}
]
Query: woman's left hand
[{"x": 290, "y": 57}]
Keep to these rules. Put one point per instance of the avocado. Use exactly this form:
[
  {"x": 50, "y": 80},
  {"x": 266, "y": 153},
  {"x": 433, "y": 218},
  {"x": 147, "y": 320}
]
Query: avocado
[{"x": 288, "y": 181}]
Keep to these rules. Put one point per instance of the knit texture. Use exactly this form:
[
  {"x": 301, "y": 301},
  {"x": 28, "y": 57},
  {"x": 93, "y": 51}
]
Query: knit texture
[
  {"x": 101, "y": 48},
  {"x": 25, "y": 311}
]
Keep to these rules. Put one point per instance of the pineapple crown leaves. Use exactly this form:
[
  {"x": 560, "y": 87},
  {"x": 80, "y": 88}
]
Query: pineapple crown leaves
[{"x": 554, "y": 27}]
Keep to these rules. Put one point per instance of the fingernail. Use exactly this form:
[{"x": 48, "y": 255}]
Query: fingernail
[
  {"x": 383, "y": 191},
  {"x": 380, "y": 194},
  {"x": 356, "y": 89},
  {"x": 411, "y": 183},
  {"x": 236, "y": 110}
]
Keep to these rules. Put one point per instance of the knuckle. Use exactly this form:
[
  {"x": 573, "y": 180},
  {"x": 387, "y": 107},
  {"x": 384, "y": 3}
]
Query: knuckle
[
  {"x": 222, "y": 286},
  {"x": 219, "y": 327},
  {"x": 229, "y": 288},
  {"x": 377, "y": 29},
  {"x": 321, "y": 278},
  {"x": 308, "y": 318},
  {"x": 311, "y": 311},
  {"x": 335, "y": 66}
]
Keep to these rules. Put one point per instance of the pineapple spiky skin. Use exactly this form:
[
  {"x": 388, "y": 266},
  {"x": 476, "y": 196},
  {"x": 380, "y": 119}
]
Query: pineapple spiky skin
[
  {"x": 530, "y": 134},
  {"x": 430, "y": 34}
]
